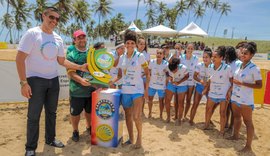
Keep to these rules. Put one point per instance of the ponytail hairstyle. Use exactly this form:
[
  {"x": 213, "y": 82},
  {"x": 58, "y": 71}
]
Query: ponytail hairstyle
[
  {"x": 251, "y": 47},
  {"x": 174, "y": 64},
  {"x": 230, "y": 54},
  {"x": 221, "y": 51},
  {"x": 208, "y": 51}
]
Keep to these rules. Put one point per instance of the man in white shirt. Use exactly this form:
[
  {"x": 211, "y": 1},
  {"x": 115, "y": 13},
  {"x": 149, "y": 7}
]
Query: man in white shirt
[{"x": 39, "y": 53}]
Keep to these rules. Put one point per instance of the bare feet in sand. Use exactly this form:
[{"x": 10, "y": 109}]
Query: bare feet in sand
[
  {"x": 168, "y": 120},
  {"x": 191, "y": 123},
  {"x": 150, "y": 115},
  {"x": 177, "y": 122},
  {"x": 232, "y": 138},
  {"x": 246, "y": 150}
]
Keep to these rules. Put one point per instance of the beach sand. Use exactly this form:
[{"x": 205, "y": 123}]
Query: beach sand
[{"x": 159, "y": 138}]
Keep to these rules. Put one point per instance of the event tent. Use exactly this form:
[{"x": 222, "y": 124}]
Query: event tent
[
  {"x": 192, "y": 30},
  {"x": 160, "y": 30},
  {"x": 133, "y": 27}
]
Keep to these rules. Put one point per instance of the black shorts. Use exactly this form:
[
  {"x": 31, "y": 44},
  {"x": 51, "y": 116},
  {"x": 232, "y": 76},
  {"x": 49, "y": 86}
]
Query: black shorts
[{"x": 77, "y": 104}]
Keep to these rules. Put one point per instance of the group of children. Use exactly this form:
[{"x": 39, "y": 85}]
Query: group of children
[{"x": 226, "y": 76}]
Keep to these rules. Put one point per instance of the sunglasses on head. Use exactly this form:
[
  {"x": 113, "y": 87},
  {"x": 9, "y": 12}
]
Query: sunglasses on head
[{"x": 51, "y": 17}]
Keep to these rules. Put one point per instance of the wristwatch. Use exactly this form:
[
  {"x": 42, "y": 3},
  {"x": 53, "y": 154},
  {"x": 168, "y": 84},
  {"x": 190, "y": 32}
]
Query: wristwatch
[{"x": 23, "y": 82}]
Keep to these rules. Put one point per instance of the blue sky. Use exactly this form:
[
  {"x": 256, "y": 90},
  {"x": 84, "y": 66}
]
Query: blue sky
[{"x": 249, "y": 18}]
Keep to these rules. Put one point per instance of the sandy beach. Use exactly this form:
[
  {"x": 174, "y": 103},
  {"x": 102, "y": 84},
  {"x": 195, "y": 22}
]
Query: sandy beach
[{"x": 159, "y": 138}]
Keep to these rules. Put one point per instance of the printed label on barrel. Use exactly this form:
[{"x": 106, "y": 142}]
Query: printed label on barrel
[
  {"x": 105, "y": 132},
  {"x": 105, "y": 109}
]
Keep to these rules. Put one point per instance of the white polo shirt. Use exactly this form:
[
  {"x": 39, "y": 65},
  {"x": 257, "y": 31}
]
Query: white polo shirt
[
  {"x": 235, "y": 65},
  {"x": 132, "y": 81},
  {"x": 158, "y": 75},
  {"x": 190, "y": 64},
  {"x": 203, "y": 72},
  {"x": 179, "y": 75},
  {"x": 249, "y": 74},
  {"x": 43, "y": 50},
  {"x": 219, "y": 80}
]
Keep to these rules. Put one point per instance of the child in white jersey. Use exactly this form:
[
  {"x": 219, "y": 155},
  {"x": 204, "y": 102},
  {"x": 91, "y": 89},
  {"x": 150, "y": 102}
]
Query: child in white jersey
[
  {"x": 142, "y": 48},
  {"x": 190, "y": 61},
  {"x": 246, "y": 78},
  {"x": 178, "y": 74},
  {"x": 220, "y": 83},
  {"x": 132, "y": 63},
  {"x": 157, "y": 83},
  {"x": 201, "y": 76}
]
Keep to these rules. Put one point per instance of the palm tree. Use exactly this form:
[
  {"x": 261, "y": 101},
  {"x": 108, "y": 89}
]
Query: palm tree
[
  {"x": 171, "y": 16},
  {"x": 206, "y": 4},
  {"x": 39, "y": 7},
  {"x": 137, "y": 9},
  {"x": 81, "y": 11},
  {"x": 191, "y": 4},
  {"x": 21, "y": 13},
  {"x": 65, "y": 8},
  {"x": 102, "y": 8},
  {"x": 224, "y": 9},
  {"x": 8, "y": 22},
  {"x": 140, "y": 24},
  {"x": 151, "y": 16},
  {"x": 162, "y": 7},
  {"x": 180, "y": 8},
  {"x": 215, "y": 6},
  {"x": 199, "y": 12},
  {"x": 151, "y": 12}
]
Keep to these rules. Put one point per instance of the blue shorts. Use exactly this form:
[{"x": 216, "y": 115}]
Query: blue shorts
[
  {"x": 176, "y": 89},
  {"x": 217, "y": 100},
  {"x": 239, "y": 105},
  {"x": 199, "y": 88},
  {"x": 127, "y": 99},
  {"x": 152, "y": 92}
]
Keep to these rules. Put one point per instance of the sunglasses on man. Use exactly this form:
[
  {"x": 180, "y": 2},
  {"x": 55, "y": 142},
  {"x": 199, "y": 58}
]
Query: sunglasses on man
[{"x": 51, "y": 17}]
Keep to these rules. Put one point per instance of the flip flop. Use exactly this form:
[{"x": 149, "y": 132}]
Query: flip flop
[{"x": 128, "y": 142}]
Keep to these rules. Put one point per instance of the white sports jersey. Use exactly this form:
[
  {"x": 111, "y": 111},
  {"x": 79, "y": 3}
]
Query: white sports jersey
[
  {"x": 43, "y": 50},
  {"x": 114, "y": 70},
  {"x": 219, "y": 80},
  {"x": 158, "y": 75},
  {"x": 131, "y": 70},
  {"x": 179, "y": 75},
  {"x": 235, "y": 64},
  {"x": 190, "y": 64},
  {"x": 203, "y": 72},
  {"x": 249, "y": 74}
]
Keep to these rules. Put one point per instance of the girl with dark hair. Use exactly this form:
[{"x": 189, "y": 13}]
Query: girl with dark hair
[
  {"x": 130, "y": 66},
  {"x": 190, "y": 61},
  {"x": 246, "y": 78},
  {"x": 178, "y": 74},
  {"x": 157, "y": 83},
  {"x": 232, "y": 60},
  {"x": 220, "y": 83},
  {"x": 142, "y": 48},
  {"x": 201, "y": 76}
]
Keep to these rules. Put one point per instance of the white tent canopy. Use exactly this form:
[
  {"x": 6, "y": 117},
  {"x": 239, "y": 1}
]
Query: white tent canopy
[
  {"x": 160, "y": 30},
  {"x": 192, "y": 30},
  {"x": 133, "y": 27}
]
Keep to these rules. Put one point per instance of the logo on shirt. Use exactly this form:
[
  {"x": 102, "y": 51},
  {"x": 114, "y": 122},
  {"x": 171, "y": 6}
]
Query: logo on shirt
[{"x": 105, "y": 109}]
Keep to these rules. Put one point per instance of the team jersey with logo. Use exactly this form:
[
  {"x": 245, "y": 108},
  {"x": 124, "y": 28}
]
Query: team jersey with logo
[
  {"x": 248, "y": 74},
  {"x": 75, "y": 88},
  {"x": 132, "y": 81},
  {"x": 158, "y": 75},
  {"x": 190, "y": 64},
  {"x": 179, "y": 75},
  {"x": 203, "y": 72},
  {"x": 219, "y": 80}
]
